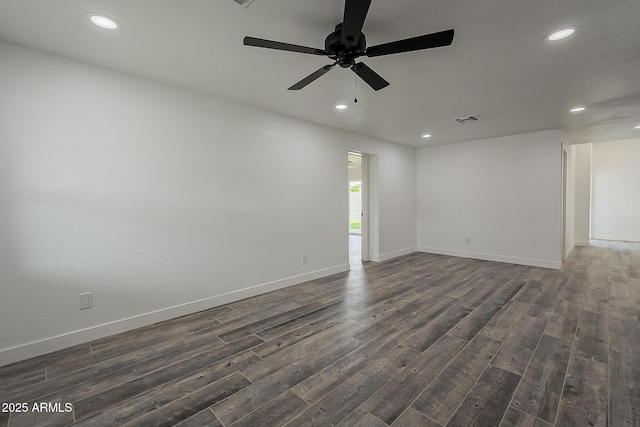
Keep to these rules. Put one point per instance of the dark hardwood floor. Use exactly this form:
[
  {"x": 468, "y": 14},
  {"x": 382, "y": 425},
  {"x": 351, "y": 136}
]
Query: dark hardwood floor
[{"x": 418, "y": 341}]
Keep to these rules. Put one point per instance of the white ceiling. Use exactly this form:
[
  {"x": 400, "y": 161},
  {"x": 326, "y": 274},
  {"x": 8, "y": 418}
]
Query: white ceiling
[{"x": 499, "y": 66}]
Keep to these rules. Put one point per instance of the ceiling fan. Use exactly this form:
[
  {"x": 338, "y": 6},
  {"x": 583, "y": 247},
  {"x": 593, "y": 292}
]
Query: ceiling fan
[{"x": 347, "y": 43}]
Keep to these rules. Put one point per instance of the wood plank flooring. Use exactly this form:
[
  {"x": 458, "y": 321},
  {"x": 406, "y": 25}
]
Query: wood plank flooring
[{"x": 421, "y": 340}]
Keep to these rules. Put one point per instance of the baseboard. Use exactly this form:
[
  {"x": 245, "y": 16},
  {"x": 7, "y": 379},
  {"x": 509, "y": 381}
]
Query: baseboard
[
  {"x": 395, "y": 254},
  {"x": 38, "y": 348},
  {"x": 582, "y": 243},
  {"x": 566, "y": 255},
  {"x": 492, "y": 257},
  {"x": 615, "y": 238}
]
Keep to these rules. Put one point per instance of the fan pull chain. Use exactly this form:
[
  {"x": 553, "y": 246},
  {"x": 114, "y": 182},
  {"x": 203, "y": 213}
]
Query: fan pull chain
[{"x": 355, "y": 88}]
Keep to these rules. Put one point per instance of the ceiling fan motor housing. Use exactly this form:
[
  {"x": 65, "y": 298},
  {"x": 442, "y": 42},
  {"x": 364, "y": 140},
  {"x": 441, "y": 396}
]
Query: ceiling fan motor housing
[{"x": 346, "y": 58}]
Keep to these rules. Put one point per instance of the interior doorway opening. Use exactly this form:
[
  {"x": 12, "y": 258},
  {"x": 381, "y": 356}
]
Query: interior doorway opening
[
  {"x": 363, "y": 210},
  {"x": 354, "y": 162}
]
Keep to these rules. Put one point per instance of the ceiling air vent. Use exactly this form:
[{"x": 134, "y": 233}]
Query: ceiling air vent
[
  {"x": 243, "y": 3},
  {"x": 469, "y": 119}
]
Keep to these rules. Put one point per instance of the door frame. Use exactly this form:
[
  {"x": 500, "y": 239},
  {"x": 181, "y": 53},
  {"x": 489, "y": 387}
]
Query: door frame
[{"x": 370, "y": 214}]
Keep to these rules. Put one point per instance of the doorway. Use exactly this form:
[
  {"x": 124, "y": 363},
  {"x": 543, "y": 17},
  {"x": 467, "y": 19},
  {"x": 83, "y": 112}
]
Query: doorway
[
  {"x": 363, "y": 208},
  {"x": 354, "y": 162}
]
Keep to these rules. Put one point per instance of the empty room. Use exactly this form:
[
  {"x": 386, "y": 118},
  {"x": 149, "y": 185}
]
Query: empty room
[{"x": 353, "y": 213}]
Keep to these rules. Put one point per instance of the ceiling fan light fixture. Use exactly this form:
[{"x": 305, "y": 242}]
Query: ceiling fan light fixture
[
  {"x": 577, "y": 109},
  {"x": 561, "y": 34},
  {"x": 104, "y": 21},
  {"x": 341, "y": 107}
]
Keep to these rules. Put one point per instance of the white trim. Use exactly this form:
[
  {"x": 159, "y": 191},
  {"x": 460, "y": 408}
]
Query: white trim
[
  {"x": 573, "y": 245},
  {"x": 395, "y": 254},
  {"x": 370, "y": 218},
  {"x": 615, "y": 238},
  {"x": 47, "y": 345},
  {"x": 581, "y": 243},
  {"x": 491, "y": 257},
  {"x": 564, "y": 182}
]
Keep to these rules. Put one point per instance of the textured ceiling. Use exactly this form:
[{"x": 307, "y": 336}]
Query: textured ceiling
[{"x": 499, "y": 66}]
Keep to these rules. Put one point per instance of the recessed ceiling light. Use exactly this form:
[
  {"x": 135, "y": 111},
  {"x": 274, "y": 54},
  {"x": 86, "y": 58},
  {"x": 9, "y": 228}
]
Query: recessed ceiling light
[
  {"x": 426, "y": 135},
  {"x": 561, "y": 34},
  {"x": 577, "y": 109},
  {"x": 341, "y": 107},
  {"x": 637, "y": 127},
  {"x": 104, "y": 21}
]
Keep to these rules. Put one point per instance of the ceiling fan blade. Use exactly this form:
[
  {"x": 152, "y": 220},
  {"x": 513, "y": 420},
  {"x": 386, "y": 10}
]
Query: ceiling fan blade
[
  {"x": 270, "y": 44},
  {"x": 313, "y": 76},
  {"x": 355, "y": 12},
  {"x": 372, "y": 78},
  {"x": 428, "y": 41}
]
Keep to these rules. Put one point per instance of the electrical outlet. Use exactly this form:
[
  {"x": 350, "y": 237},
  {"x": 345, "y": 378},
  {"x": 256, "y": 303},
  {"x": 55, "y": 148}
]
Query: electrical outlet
[
  {"x": 305, "y": 258},
  {"x": 467, "y": 241},
  {"x": 86, "y": 300}
]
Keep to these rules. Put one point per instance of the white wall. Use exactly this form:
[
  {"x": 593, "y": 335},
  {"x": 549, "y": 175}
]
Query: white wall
[
  {"x": 502, "y": 193},
  {"x": 139, "y": 193},
  {"x": 570, "y": 222},
  {"x": 615, "y": 209},
  {"x": 583, "y": 193},
  {"x": 397, "y": 196}
]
